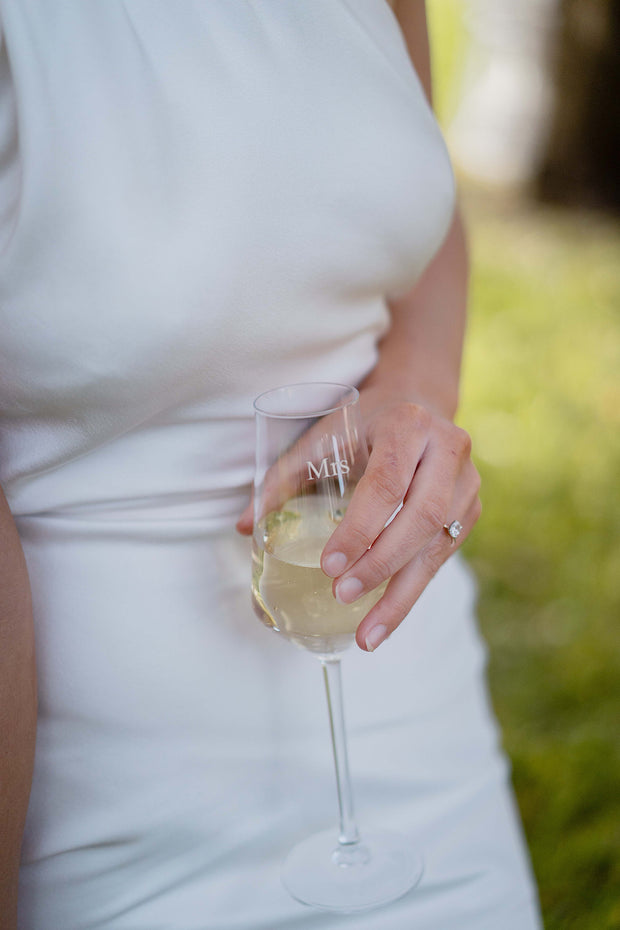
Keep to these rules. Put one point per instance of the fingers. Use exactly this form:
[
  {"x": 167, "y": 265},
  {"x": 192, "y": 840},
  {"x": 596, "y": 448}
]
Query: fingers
[
  {"x": 418, "y": 479},
  {"x": 438, "y": 496},
  {"x": 245, "y": 523},
  {"x": 408, "y": 584},
  {"x": 370, "y": 552},
  {"x": 398, "y": 445}
]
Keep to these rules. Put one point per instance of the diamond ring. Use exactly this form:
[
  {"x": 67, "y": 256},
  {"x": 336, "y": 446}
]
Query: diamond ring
[{"x": 453, "y": 530}]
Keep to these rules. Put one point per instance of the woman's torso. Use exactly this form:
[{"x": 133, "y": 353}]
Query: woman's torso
[
  {"x": 197, "y": 207},
  {"x": 200, "y": 199}
]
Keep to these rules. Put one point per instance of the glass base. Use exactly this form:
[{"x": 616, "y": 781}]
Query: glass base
[{"x": 380, "y": 868}]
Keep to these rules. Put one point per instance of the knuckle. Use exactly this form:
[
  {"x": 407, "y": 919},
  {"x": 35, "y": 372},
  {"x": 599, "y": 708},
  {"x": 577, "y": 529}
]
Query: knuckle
[
  {"x": 387, "y": 483},
  {"x": 358, "y": 538},
  {"x": 418, "y": 414},
  {"x": 432, "y": 516},
  {"x": 379, "y": 568},
  {"x": 431, "y": 559},
  {"x": 399, "y": 606},
  {"x": 462, "y": 441},
  {"x": 414, "y": 538},
  {"x": 410, "y": 416},
  {"x": 465, "y": 439}
]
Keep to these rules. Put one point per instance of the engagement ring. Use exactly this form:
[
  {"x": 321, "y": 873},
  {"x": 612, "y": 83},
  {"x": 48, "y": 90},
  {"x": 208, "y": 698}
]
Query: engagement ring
[{"x": 453, "y": 530}]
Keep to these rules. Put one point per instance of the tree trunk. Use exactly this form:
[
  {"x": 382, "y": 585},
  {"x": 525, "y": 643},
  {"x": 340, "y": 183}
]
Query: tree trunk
[{"x": 581, "y": 163}]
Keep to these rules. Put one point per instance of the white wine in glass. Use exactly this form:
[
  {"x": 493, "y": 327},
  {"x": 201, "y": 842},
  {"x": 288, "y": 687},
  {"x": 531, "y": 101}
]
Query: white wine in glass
[
  {"x": 310, "y": 454},
  {"x": 291, "y": 593}
]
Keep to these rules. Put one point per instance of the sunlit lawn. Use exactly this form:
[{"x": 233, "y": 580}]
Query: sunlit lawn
[{"x": 542, "y": 401}]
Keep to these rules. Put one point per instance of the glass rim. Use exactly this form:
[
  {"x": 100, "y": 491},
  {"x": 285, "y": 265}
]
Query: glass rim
[{"x": 321, "y": 412}]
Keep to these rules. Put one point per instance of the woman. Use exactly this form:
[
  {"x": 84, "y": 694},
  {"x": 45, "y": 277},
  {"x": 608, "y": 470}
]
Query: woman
[{"x": 202, "y": 201}]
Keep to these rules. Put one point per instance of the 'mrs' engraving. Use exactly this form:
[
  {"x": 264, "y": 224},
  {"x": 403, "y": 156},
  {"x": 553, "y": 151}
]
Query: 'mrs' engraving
[{"x": 327, "y": 469}]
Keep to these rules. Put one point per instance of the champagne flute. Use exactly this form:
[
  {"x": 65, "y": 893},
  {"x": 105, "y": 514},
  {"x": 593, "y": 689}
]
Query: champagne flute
[{"x": 310, "y": 454}]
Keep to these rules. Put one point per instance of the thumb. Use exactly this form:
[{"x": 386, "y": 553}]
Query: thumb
[{"x": 245, "y": 523}]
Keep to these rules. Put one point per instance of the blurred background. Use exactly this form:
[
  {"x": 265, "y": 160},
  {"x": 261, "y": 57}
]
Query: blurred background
[{"x": 528, "y": 95}]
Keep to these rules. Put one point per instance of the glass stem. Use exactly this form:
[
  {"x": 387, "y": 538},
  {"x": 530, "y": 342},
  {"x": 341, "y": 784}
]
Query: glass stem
[{"x": 333, "y": 689}]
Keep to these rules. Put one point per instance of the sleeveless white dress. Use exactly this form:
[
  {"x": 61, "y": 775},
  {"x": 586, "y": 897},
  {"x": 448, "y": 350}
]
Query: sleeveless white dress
[{"x": 200, "y": 200}]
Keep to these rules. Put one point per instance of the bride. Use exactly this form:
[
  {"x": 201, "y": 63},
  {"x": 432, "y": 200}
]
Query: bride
[{"x": 201, "y": 201}]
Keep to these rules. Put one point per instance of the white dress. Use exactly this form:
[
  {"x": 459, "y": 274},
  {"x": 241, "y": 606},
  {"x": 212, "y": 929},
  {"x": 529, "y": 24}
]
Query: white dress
[{"x": 200, "y": 200}]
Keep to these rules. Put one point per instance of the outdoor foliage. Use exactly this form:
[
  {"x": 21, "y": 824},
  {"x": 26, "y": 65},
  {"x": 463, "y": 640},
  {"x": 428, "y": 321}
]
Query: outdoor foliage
[
  {"x": 542, "y": 402},
  {"x": 541, "y": 398}
]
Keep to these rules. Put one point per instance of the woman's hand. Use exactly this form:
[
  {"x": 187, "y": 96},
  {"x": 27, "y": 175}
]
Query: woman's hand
[
  {"x": 418, "y": 459},
  {"x": 422, "y": 460}
]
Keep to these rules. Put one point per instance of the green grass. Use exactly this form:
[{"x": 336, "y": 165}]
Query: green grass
[
  {"x": 542, "y": 401},
  {"x": 541, "y": 398}
]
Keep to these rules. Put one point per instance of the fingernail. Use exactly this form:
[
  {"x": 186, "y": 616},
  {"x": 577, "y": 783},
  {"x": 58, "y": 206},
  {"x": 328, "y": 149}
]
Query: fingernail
[
  {"x": 375, "y": 637},
  {"x": 348, "y": 590},
  {"x": 335, "y": 564}
]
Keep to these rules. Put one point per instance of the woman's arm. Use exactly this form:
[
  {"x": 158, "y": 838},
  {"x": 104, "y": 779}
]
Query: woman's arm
[
  {"x": 421, "y": 355},
  {"x": 417, "y": 455},
  {"x": 18, "y": 709}
]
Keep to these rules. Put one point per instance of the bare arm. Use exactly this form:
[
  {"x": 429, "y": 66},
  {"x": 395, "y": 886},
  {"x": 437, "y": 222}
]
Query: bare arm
[
  {"x": 417, "y": 455},
  {"x": 17, "y": 709},
  {"x": 420, "y": 357}
]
